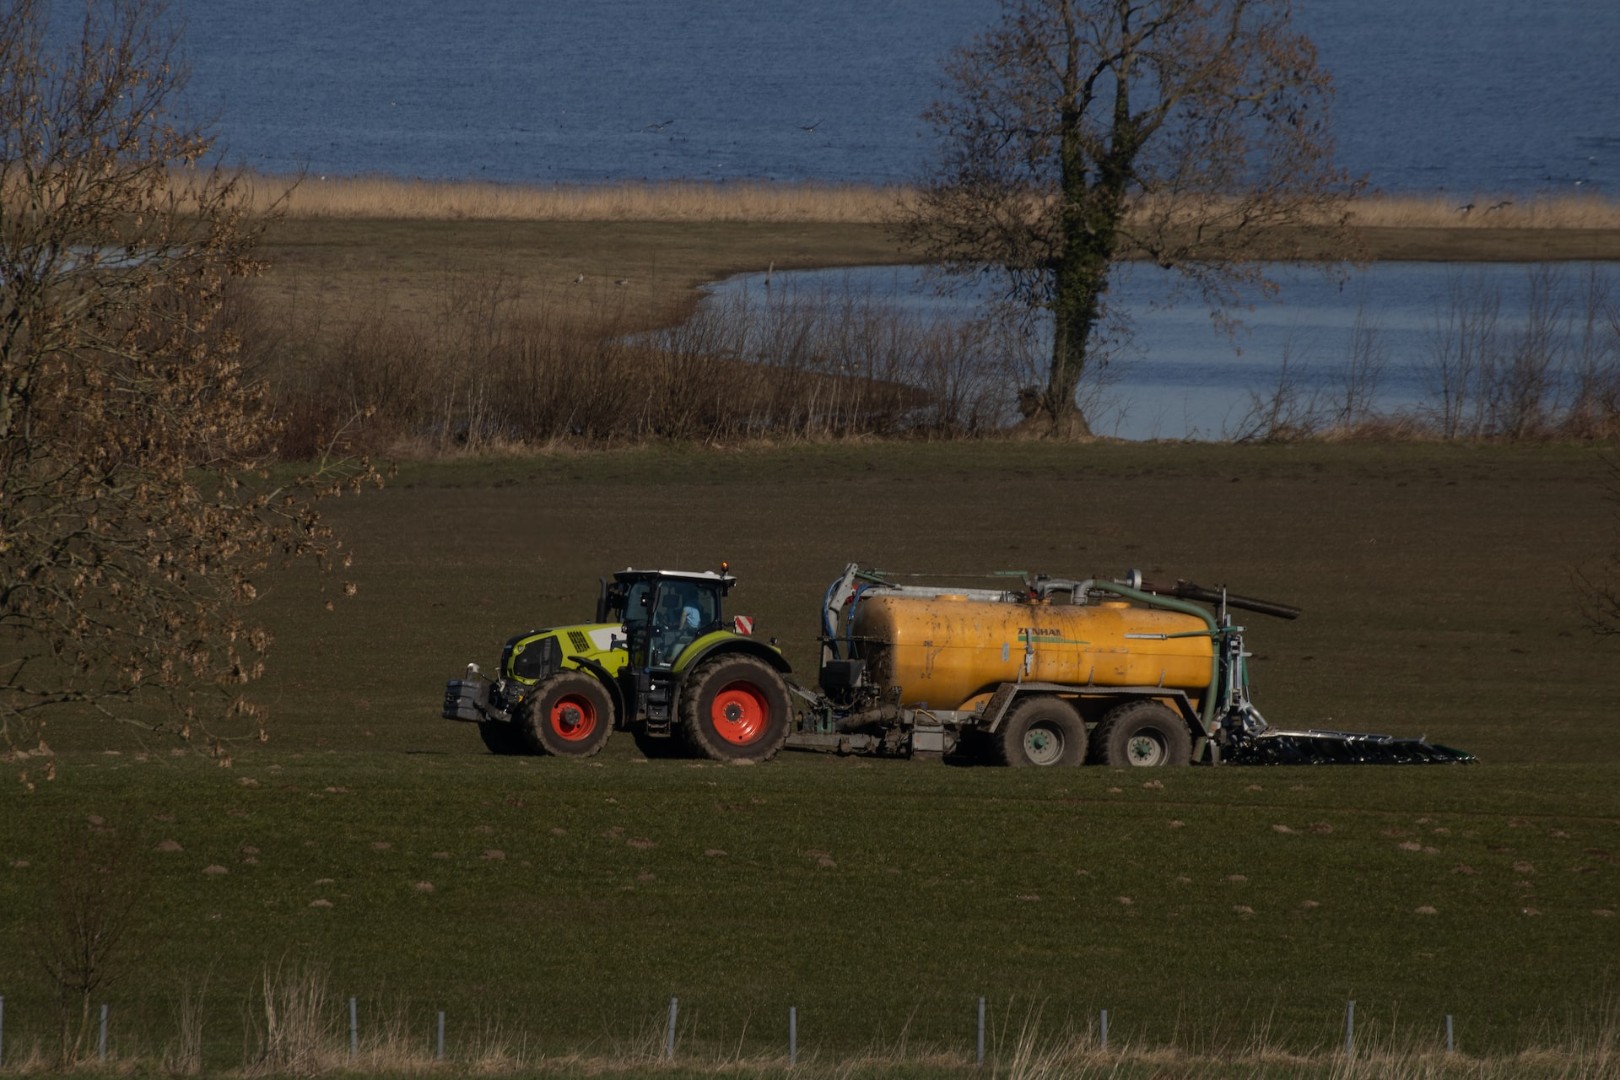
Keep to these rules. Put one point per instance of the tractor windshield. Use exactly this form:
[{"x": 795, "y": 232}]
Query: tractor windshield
[{"x": 683, "y": 610}]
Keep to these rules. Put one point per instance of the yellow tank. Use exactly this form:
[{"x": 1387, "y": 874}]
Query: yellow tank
[{"x": 948, "y": 652}]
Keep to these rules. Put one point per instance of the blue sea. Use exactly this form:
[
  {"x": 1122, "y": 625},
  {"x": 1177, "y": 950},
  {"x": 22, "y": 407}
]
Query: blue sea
[{"x": 1488, "y": 95}]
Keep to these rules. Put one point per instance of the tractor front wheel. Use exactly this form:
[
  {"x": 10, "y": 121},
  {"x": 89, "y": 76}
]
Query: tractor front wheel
[
  {"x": 1042, "y": 731},
  {"x": 1141, "y": 733},
  {"x": 568, "y": 714},
  {"x": 735, "y": 708}
]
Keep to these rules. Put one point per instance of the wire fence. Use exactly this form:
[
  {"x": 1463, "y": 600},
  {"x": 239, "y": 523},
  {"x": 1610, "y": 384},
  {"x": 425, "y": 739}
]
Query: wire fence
[{"x": 669, "y": 1035}]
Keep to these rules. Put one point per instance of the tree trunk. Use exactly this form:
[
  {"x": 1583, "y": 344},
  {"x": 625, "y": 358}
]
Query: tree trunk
[
  {"x": 1081, "y": 279},
  {"x": 1093, "y": 204}
]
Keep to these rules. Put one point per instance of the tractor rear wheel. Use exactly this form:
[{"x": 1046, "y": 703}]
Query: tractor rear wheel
[
  {"x": 735, "y": 708},
  {"x": 1141, "y": 733},
  {"x": 1042, "y": 731},
  {"x": 568, "y": 714},
  {"x": 502, "y": 737}
]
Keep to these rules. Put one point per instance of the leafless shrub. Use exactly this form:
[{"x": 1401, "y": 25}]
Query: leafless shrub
[
  {"x": 1523, "y": 399},
  {"x": 1287, "y": 412},
  {"x": 1554, "y": 374},
  {"x": 99, "y": 882},
  {"x": 495, "y": 368},
  {"x": 1463, "y": 346},
  {"x": 184, "y": 1056},
  {"x": 296, "y": 1035},
  {"x": 1594, "y": 407},
  {"x": 1358, "y": 382}
]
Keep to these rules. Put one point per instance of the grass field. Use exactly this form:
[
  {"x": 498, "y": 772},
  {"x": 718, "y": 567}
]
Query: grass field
[{"x": 552, "y": 908}]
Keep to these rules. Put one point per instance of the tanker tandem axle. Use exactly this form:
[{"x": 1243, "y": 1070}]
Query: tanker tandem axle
[{"x": 1055, "y": 672}]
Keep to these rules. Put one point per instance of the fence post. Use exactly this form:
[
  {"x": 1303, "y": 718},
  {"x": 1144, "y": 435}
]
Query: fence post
[
  {"x": 438, "y": 1050},
  {"x": 354, "y": 1029},
  {"x": 981, "y": 1031},
  {"x": 2, "y": 1030},
  {"x": 1451, "y": 1046},
  {"x": 1103, "y": 1028},
  {"x": 669, "y": 1034},
  {"x": 101, "y": 1041},
  {"x": 793, "y": 1035},
  {"x": 1350, "y": 1029}
]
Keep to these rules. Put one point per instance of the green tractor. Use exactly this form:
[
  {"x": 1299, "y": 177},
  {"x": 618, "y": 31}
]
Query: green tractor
[{"x": 661, "y": 659}]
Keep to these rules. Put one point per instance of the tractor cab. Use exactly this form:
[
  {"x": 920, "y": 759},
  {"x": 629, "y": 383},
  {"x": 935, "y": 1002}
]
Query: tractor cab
[
  {"x": 665, "y": 611},
  {"x": 674, "y": 622}
]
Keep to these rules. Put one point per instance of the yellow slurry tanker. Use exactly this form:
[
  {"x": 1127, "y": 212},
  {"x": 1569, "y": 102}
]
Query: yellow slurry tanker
[
  {"x": 1053, "y": 671},
  {"x": 1056, "y": 672}
]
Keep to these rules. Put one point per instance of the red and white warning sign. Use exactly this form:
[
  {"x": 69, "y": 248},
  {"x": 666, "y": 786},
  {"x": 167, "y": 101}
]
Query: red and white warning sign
[{"x": 743, "y": 624}]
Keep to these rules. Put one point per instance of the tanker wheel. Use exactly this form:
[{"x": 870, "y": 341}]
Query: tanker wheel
[
  {"x": 1042, "y": 731},
  {"x": 735, "y": 708},
  {"x": 1141, "y": 733},
  {"x": 568, "y": 714},
  {"x": 502, "y": 737}
]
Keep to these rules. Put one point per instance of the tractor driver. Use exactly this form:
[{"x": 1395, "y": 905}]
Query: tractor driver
[{"x": 678, "y": 620}]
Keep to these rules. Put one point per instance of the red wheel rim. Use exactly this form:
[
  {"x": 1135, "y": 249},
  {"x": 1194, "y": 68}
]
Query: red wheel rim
[
  {"x": 740, "y": 713},
  {"x": 573, "y": 717}
]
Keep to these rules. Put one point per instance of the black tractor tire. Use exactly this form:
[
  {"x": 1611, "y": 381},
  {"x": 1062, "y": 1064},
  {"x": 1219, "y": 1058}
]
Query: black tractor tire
[
  {"x": 735, "y": 708},
  {"x": 1042, "y": 731},
  {"x": 1141, "y": 734},
  {"x": 569, "y": 714},
  {"x": 502, "y": 737}
]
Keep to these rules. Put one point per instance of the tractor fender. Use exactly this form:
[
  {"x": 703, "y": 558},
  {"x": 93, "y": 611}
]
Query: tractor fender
[
  {"x": 605, "y": 677},
  {"x": 723, "y": 642}
]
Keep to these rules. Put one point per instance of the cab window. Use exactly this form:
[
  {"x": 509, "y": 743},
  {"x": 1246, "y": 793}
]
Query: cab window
[{"x": 636, "y": 602}]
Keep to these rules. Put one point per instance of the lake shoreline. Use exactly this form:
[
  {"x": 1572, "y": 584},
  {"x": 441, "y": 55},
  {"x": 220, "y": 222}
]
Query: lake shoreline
[{"x": 657, "y": 269}]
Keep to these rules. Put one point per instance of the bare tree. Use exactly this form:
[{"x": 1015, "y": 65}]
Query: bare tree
[
  {"x": 1193, "y": 133},
  {"x": 79, "y": 941},
  {"x": 133, "y": 515}
]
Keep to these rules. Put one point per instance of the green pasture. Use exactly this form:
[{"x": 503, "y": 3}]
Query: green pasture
[{"x": 561, "y": 904}]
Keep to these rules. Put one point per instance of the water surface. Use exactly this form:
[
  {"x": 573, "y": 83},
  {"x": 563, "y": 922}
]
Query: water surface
[
  {"x": 1491, "y": 95},
  {"x": 1181, "y": 374}
]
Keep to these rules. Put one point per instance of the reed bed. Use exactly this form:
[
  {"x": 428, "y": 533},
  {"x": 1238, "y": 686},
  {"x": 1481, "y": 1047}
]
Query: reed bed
[
  {"x": 495, "y": 369},
  {"x": 362, "y": 197},
  {"x": 757, "y": 201},
  {"x": 1566, "y": 211}
]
